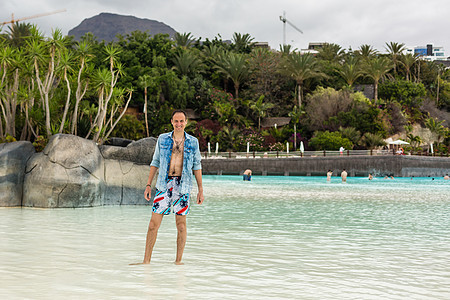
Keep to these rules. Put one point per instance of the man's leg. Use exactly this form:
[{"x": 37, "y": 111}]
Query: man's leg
[
  {"x": 152, "y": 232},
  {"x": 181, "y": 237}
]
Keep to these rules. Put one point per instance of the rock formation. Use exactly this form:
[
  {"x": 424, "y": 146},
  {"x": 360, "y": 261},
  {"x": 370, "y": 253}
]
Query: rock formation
[
  {"x": 13, "y": 160},
  {"x": 68, "y": 173}
]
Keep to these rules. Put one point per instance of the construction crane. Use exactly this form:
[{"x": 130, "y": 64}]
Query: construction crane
[
  {"x": 31, "y": 17},
  {"x": 284, "y": 20}
]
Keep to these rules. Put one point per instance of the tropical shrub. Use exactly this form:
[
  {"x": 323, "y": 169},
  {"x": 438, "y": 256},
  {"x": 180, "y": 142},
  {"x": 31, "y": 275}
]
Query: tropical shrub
[
  {"x": 407, "y": 93},
  {"x": 255, "y": 139},
  {"x": 129, "y": 127},
  {"x": 325, "y": 140}
]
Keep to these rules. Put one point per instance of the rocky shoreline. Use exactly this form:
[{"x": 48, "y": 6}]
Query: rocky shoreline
[{"x": 74, "y": 172}]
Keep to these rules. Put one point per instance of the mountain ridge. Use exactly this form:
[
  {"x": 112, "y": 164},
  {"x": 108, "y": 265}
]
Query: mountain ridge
[{"x": 106, "y": 26}]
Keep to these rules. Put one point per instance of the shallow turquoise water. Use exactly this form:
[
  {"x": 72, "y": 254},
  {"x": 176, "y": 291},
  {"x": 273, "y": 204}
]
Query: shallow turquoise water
[{"x": 272, "y": 238}]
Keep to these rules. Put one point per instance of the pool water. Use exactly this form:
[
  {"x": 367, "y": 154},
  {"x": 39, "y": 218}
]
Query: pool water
[{"x": 271, "y": 238}]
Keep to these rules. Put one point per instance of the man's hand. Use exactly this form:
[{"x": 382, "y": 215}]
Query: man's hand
[
  {"x": 200, "y": 197},
  {"x": 148, "y": 193}
]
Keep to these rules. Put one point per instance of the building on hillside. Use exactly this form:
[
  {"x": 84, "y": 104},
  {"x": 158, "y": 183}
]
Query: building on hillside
[
  {"x": 275, "y": 122},
  {"x": 428, "y": 52},
  {"x": 264, "y": 45},
  {"x": 313, "y": 48}
]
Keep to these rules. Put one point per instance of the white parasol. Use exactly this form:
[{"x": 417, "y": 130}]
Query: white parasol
[
  {"x": 302, "y": 148},
  {"x": 398, "y": 142}
]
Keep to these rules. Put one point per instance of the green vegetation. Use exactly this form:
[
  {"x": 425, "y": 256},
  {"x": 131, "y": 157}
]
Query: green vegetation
[{"x": 55, "y": 85}]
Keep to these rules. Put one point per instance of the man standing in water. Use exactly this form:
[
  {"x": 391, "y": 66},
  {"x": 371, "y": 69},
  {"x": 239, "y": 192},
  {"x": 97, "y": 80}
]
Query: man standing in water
[
  {"x": 177, "y": 156},
  {"x": 344, "y": 176}
]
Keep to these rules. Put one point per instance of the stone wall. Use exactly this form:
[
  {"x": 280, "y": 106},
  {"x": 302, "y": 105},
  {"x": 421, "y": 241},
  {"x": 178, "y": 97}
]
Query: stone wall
[{"x": 399, "y": 166}]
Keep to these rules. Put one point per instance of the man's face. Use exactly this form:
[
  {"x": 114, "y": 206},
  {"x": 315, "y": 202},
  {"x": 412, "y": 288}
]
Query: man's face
[{"x": 179, "y": 122}]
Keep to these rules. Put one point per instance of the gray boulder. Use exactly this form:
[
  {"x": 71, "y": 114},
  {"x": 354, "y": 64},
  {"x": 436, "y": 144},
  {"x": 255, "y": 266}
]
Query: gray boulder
[
  {"x": 139, "y": 152},
  {"x": 125, "y": 182},
  {"x": 68, "y": 173},
  {"x": 13, "y": 160}
]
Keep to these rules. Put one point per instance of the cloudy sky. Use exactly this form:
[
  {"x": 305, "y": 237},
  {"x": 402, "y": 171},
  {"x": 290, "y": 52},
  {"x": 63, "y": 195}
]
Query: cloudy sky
[{"x": 349, "y": 23}]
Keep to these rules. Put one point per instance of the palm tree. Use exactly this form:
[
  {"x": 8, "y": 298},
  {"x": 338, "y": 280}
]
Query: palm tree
[
  {"x": 436, "y": 127},
  {"x": 377, "y": 68},
  {"x": 351, "y": 133},
  {"x": 230, "y": 135},
  {"x": 260, "y": 108},
  {"x": 144, "y": 82},
  {"x": 408, "y": 61},
  {"x": 395, "y": 50},
  {"x": 286, "y": 49},
  {"x": 414, "y": 140},
  {"x": 366, "y": 52},
  {"x": 351, "y": 70},
  {"x": 184, "y": 40},
  {"x": 83, "y": 54},
  {"x": 242, "y": 42},
  {"x": 331, "y": 53},
  {"x": 371, "y": 141},
  {"x": 18, "y": 32},
  {"x": 295, "y": 118},
  {"x": 66, "y": 66},
  {"x": 187, "y": 62},
  {"x": 234, "y": 66},
  {"x": 301, "y": 68},
  {"x": 9, "y": 86}
]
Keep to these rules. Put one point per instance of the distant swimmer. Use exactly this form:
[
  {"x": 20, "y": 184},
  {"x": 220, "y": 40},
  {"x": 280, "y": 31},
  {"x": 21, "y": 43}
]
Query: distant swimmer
[
  {"x": 344, "y": 175},
  {"x": 446, "y": 177},
  {"x": 370, "y": 176},
  {"x": 329, "y": 173},
  {"x": 247, "y": 175}
]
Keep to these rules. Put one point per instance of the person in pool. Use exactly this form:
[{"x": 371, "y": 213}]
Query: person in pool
[
  {"x": 329, "y": 173},
  {"x": 446, "y": 177},
  {"x": 370, "y": 176},
  {"x": 344, "y": 176},
  {"x": 177, "y": 156},
  {"x": 247, "y": 176}
]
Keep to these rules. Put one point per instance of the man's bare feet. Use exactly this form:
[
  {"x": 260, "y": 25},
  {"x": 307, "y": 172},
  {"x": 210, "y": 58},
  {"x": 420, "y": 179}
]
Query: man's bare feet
[
  {"x": 179, "y": 263},
  {"x": 141, "y": 263}
]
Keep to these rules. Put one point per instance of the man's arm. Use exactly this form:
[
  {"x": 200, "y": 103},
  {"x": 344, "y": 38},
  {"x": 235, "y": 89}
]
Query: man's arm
[
  {"x": 198, "y": 177},
  {"x": 148, "y": 188}
]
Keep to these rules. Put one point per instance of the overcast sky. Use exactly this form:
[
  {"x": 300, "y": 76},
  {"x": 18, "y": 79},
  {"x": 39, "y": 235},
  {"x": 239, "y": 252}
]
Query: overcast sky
[{"x": 349, "y": 23}]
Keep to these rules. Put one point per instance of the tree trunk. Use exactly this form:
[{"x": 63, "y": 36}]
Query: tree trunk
[
  {"x": 118, "y": 119},
  {"x": 78, "y": 95},
  {"x": 66, "y": 107},
  {"x": 375, "y": 91},
  {"x": 295, "y": 137},
  {"x": 145, "y": 111},
  {"x": 299, "y": 88},
  {"x": 1, "y": 127},
  {"x": 437, "y": 93}
]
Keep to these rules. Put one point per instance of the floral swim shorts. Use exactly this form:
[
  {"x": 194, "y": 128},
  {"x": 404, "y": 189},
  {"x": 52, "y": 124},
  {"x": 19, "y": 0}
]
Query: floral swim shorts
[{"x": 163, "y": 201}]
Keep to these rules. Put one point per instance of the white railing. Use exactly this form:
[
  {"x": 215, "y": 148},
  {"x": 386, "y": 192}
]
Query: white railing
[{"x": 322, "y": 153}]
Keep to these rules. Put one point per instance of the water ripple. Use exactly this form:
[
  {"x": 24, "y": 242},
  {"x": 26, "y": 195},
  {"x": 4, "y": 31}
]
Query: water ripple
[{"x": 272, "y": 238}]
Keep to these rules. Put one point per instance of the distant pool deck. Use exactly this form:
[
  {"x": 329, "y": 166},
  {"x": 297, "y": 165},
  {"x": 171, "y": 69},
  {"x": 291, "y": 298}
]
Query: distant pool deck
[{"x": 355, "y": 165}]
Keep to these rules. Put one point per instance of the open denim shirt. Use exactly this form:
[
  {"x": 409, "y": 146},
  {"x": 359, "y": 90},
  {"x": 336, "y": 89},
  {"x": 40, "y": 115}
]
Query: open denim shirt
[{"x": 163, "y": 153}]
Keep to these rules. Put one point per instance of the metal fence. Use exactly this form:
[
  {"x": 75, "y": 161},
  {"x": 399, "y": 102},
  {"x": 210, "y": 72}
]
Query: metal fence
[{"x": 322, "y": 153}]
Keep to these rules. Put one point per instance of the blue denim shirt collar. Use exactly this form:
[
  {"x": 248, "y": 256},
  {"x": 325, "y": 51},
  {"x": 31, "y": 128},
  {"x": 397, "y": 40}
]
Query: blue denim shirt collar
[{"x": 162, "y": 156}]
